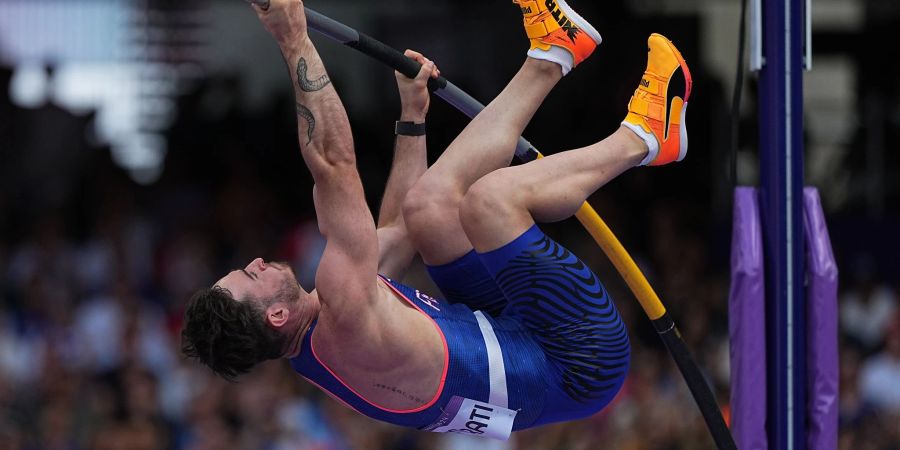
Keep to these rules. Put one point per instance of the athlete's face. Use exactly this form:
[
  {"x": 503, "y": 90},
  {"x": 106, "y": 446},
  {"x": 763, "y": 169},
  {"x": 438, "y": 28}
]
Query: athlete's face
[
  {"x": 274, "y": 288},
  {"x": 260, "y": 280}
]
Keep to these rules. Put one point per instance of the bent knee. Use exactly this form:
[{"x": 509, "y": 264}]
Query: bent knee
[
  {"x": 428, "y": 199},
  {"x": 482, "y": 199},
  {"x": 494, "y": 195}
]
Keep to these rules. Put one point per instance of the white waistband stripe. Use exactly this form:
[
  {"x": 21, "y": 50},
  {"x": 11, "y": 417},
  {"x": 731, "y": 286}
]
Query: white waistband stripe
[{"x": 496, "y": 370}]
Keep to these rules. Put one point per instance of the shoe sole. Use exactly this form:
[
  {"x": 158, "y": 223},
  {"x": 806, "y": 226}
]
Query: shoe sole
[{"x": 579, "y": 21}]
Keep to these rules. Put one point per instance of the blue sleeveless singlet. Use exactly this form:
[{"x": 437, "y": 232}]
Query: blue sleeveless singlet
[
  {"x": 489, "y": 360},
  {"x": 550, "y": 346}
]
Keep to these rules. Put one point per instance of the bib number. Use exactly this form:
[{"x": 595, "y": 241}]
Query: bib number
[{"x": 467, "y": 416}]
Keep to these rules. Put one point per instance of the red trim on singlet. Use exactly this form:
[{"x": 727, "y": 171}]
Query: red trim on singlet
[
  {"x": 440, "y": 389},
  {"x": 330, "y": 394}
]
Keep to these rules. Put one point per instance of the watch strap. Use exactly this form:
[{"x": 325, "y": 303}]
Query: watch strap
[{"x": 409, "y": 128}]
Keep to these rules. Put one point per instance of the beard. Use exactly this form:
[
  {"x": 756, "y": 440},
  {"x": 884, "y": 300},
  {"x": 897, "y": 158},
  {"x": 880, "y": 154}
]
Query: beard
[{"x": 289, "y": 291}]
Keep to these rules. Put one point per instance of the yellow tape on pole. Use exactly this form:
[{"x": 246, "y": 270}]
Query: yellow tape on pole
[{"x": 620, "y": 258}]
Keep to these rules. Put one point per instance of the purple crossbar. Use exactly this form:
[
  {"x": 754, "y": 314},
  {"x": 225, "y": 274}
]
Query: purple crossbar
[
  {"x": 822, "y": 323},
  {"x": 747, "y": 326}
]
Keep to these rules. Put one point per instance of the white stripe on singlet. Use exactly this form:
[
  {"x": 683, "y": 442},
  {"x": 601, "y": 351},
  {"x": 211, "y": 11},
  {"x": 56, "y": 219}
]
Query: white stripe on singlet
[{"x": 496, "y": 370}]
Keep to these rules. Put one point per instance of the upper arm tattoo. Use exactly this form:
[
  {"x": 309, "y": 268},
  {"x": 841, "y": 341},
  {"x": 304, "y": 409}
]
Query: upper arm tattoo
[
  {"x": 307, "y": 115},
  {"x": 305, "y": 83}
]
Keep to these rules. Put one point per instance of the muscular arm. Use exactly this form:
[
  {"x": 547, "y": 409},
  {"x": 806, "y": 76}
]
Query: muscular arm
[
  {"x": 410, "y": 162},
  {"x": 395, "y": 249},
  {"x": 347, "y": 272}
]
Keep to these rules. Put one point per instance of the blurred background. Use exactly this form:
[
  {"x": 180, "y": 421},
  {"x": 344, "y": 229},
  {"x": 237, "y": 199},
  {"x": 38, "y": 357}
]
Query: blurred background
[{"x": 148, "y": 146}]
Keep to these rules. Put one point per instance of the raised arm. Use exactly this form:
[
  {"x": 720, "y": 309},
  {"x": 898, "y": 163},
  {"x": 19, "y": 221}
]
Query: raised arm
[
  {"x": 395, "y": 250},
  {"x": 347, "y": 272}
]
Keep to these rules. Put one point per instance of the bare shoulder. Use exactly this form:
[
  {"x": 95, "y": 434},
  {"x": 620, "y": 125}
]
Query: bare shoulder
[
  {"x": 352, "y": 305},
  {"x": 356, "y": 338},
  {"x": 395, "y": 345},
  {"x": 383, "y": 333}
]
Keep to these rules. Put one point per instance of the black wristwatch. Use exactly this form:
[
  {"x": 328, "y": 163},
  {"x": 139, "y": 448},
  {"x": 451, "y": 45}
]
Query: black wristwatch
[{"x": 409, "y": 129}]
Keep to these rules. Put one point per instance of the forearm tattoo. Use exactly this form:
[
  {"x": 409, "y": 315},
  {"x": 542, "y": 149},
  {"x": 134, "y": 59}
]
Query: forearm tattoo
[
  {"x": 307, "y": 115},
  {"x": 305, "y": 83}
]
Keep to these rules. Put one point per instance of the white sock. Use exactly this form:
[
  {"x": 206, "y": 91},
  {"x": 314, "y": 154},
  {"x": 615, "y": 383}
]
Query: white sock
[
  {"x": 649, "y": 139},
  {"x": 556, "y": 55}
]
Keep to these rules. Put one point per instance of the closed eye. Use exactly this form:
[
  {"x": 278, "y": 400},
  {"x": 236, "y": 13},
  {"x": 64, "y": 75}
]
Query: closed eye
[{"x": 252, "y": 277}]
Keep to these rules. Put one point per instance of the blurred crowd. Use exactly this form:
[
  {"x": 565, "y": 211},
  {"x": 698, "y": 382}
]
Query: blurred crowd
[{"x": 95, "y": 270}]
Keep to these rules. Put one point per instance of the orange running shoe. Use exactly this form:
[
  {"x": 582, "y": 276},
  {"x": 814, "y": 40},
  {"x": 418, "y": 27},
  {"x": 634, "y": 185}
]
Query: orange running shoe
[
  {"x": 658, "y": 107},
  {"x": 557, "y": 33}
]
